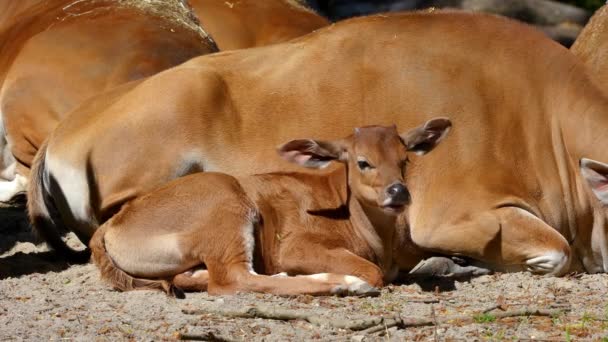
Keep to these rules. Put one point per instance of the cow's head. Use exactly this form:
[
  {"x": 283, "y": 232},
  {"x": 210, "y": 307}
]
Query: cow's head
[{"x": 376, "y": 158}]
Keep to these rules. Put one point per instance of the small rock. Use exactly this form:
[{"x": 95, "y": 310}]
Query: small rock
[{"x": 357, "y": 338}]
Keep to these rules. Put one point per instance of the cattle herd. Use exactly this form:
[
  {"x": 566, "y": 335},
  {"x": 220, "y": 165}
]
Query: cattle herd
[{"x": 185, "y": 166}]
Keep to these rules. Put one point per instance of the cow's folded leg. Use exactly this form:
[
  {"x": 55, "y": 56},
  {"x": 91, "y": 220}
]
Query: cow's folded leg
[
  {"x": 444, "y": 266},
  {"x": 9, "y": 189},
  {"x": 507, "y": 238},
  {"x": 239, "y": 278},
  {"x": 318, "y": 259},
  {"x": 194, "y": 280}
]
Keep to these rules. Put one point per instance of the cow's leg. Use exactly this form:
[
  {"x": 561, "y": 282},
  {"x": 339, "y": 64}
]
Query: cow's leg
[
  {"x": 9, "y": 189},
  {"x": 507, "y": 238},
  {"x": 195, "y": 280},
  {"x": 444, "y": 266},
  {"x": 309, "y": 258},
  {"x": 230, "y": 279}
]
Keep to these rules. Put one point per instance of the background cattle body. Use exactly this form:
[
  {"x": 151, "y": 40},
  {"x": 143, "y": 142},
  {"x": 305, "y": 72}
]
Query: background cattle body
[
  {"x": 504, "y": 188},
  {"x": 58, "y": 53},
  {"x": 247, "y": 23},
  {"x": 591, "y": 47},
  {"x": 55, "y": 54}
]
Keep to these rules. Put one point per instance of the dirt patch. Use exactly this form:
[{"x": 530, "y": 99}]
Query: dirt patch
[{"x": 42, "y": 298}]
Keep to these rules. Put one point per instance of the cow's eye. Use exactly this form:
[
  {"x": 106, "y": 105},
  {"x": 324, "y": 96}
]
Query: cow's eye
[{"x": 364, "y": 165}]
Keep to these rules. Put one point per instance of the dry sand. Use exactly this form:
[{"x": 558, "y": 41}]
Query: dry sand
[{"x": 43, "y": 298}]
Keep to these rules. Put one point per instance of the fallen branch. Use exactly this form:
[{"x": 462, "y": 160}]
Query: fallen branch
[
  {"x": 409, "y": 322},
  {"x": 209, "y": 336},
  {"x": 288, "y": 315},
  {"x": 367, "y": 325}
]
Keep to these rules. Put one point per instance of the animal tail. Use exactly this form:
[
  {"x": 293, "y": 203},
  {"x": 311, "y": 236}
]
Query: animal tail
[
  {"x": 118, "y": 278},
  {"x": 43, "y": 213}
]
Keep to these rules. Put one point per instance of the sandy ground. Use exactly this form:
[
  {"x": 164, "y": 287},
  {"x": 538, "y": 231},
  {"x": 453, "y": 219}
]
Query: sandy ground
[{"x": 43, "y": 298}]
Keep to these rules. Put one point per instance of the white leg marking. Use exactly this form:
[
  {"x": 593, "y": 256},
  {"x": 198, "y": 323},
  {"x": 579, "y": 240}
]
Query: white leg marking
[
  {"x": 551, "y": 263},
  {"x": 355, "y": 286},
  {"x": 9, "y": 171},
  {"x": 350, "y": 285},
  {"x": 280, "y": 275},
  {"x": 8, "y": 163},
  {"x": 200, "y": 272},
  {"x": 319, "y": 276},
  {"x": 9, "y": 189}
]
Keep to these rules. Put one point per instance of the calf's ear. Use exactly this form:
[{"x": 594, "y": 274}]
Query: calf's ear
[
  {"x": 310, "y": 153},
  {"x": 596, "y": 175},
  {"x": 423, "y": 139}
]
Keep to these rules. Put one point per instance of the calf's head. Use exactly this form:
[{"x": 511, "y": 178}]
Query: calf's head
[{"x": 376, "y": 158}]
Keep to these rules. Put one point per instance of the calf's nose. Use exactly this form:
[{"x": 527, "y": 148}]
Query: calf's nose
[{"x": 398, "y": 193}]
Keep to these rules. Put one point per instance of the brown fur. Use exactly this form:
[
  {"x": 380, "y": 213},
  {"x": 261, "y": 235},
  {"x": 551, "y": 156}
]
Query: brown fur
[
  {"x": 591, "y": 46},
  {"x": 114, "y": 275},
  {"x": 88, "y": 47},
  {"x": 298, "y": 222},
  {"x": 249, "y": 23},
  {"x": 509, "y": 176}
]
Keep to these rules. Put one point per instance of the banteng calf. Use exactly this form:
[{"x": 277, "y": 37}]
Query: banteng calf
[{"x": 329, "y": 238}]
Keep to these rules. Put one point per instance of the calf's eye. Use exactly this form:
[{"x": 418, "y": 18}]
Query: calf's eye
[{"x": 363, "y": 165}]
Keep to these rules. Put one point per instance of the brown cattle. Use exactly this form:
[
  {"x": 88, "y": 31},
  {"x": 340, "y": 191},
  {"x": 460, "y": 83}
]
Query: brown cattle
[
  {"x": 507, "y": 191},
  {"x": 591, "y": 46},
  {"x": 58, "y": 53},
  {"x": 247, "y": 23},
  {"x": 292, "y": 223},
  {"x": 10, "y": 11}
]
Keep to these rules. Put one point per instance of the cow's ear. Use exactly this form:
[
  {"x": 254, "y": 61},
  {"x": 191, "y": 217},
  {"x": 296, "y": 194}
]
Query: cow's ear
[
  {"x": 596, "y": 175},
  {"x": 310, "y": 153},
  {"x": 423, "y": 139}
]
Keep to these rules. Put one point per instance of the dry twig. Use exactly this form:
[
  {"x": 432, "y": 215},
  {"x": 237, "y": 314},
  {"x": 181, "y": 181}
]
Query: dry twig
[
  {"x": 367, "y": 325},
  {"x": 288, "y": 315}
]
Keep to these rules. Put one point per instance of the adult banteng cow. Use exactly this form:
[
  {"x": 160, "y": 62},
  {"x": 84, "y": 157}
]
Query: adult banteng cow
[
  {"x": 591, "y": 46},
  {"x": 507, "y": 191},
  {"x": 58, "y": 53},
  {"x": 55, "y": 54},
  {"x": 247, "y": 23}
]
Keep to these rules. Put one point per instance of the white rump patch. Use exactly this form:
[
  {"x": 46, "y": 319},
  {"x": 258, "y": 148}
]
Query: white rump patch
[{"x": 72, "y": 181}]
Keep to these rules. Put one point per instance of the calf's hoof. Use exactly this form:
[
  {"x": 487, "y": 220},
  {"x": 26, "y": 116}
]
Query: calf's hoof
[{"x": 354, "y": 286}]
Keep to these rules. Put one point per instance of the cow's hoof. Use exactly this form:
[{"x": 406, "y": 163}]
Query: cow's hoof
[
  {"x": 552, "y": 263},
  {"x": 446, "y": 267}
]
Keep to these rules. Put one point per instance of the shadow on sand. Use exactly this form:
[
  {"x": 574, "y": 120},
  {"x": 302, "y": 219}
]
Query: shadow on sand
[{"x": 24, "y": 256}]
